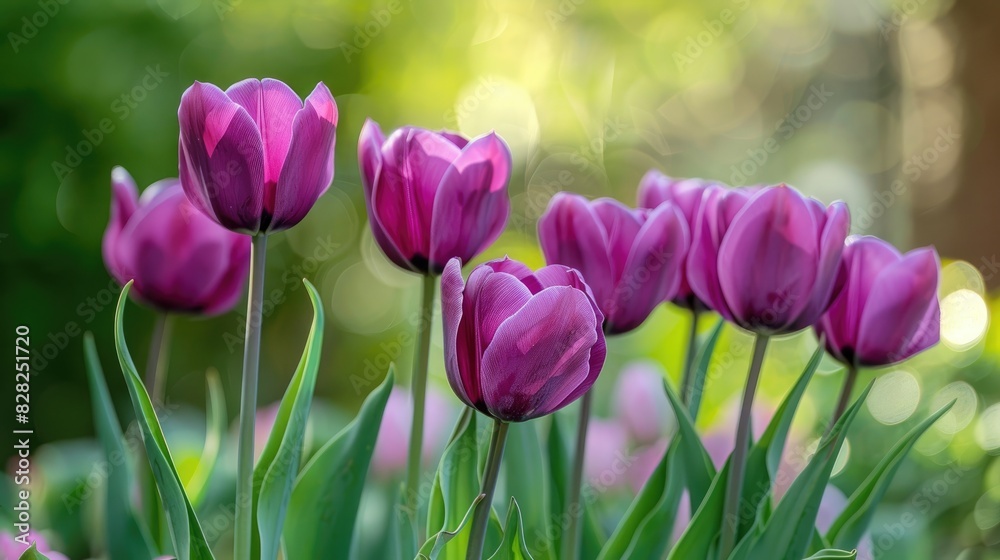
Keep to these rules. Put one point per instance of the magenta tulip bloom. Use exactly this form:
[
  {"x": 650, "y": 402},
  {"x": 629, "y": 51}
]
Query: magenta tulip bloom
[
  {"x": 255, "y": 158},
  {"x": 181, "y": 260},
  {"x": 631, "y": 259},
  {"x": 888, "y": 309},
  {"x": 767, "y": 259},
  {"x": 519, "y": 345},
  {"x": 655, "y": 188},
  {"x": 12, "y": 549},
  {"x": 433, "y": 196}
]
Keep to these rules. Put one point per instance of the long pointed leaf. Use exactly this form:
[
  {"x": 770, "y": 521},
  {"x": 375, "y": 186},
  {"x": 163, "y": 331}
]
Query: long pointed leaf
[
  {"x": 185, "y": 530},
  {"x": 215, "y": 431},
  {"x": 326, "y": 496},
  {"x": 125, "y": 534},
  {"x": 701, "y": 533},
  {"x": 523, "y": 461},
  {"x": 513, "y": 546},
  {"x": 831, "y": 554},
  {"x": 698, "y": 468},
  {"x": 432, "y": 549},
  {"x": 701, "y": 367},
  {"x": 33, "y": 554},
  {"x": 850, "y": 526},
  {"x": 278, "y": 466},
  {"x": 652, "y": 537}
]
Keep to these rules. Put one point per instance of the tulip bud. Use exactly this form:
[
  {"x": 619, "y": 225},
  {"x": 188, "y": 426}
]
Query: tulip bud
[
  {"x": 686, "y": 195},
  {"x": 255, "y": 158},
  {"x": 766, "y": 259},
  {"x": 631, "y": 259},
  {"x": 518, "y": 344},
  {"x": 433, "y": 196},
  {"x": 888, "y": 309},
  {"x": 181, "y": 260}
]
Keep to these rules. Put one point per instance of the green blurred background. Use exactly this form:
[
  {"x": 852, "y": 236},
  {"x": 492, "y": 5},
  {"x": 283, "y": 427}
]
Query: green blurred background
[{"x": 892, "y": 106}]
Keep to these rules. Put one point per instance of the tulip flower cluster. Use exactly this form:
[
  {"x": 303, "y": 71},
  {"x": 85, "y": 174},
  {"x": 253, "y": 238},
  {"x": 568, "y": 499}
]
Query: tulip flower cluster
[{"x": 519, "y": 344}]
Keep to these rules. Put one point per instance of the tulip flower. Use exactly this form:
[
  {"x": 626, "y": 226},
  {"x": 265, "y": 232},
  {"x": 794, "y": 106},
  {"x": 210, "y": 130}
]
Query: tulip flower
[
  {"x": 255, "y": 158},
  {"x": 887, "y": 311},
  {"x": 518, "y": 345},
  {"x": 655, "y": 188},
  {"x": 433, "y": 196},
  {"x": 13, "y": 548},
  {"x": 631, "y": 259},
  {"x": 766, "y": 259},
  {"x": 181, "y": 260}
]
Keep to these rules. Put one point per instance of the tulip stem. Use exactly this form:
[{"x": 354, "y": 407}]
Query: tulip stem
[
  {"x": 734, "y": 487},
  {"x": 573, "y": 510},
  {"x": 159, "y": 357},
  {"x": 248, "y": 402},
  {"x": 845, "y": 396},
  {"x": 690, "y": 393},
  {"x": 418, "y": 389},
  {"x": 477, "y": 537}
]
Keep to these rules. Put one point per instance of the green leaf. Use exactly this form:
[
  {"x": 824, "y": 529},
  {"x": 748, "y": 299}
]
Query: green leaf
[
  {"x": 851, "y": 524},
  {"x": 214, "y": 433},
  {"x": 764, "y": 457},
  {"x": 701, "y": 533},
  {"x": 832, "y": 554},
  {"x": 126, "y": 536},
  {"x": 433, "y": 548},
  {"x": 436, "y": 520},
  {"x": 592, "y": 538},
  {"x": 789, "y": 531},
  {"x": 33, "y": 554},
  {"x": 278, "y": 466},
  {"x": 653, "y": 535},
  {"x": 701, "y": 368},
  {"x": 698, "y": 468},
  {"x": 513, "y": 546},
  {"x": 326, "y": 496},
  {"x": 523, "y": 461},
  {"x": 457, "y": 484},
  {"x": 185, "y": 530}
]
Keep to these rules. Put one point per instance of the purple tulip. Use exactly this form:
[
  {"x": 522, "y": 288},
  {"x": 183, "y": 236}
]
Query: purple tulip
[
  {"x": 655, "y": 188},
  {"x": 12, "y": 548},
  {"x": 255, "y": 158},
  {"x": 389, "y": 457},
  {"x": 767, "y": 259},
  {"x": 519, "y": 345},
  {"x": 888, "y": 309},
  {"x": 181, "y": 260},
  {"x": 631, "y": 259},
  {"x": 433, "y": 196}
]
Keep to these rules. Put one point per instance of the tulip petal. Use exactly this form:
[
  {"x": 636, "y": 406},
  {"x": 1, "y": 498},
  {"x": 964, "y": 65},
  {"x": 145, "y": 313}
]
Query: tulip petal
[
  {"x": 831, "y": 246},
  {"x": 308, "y": 169},
  {"x": 499, "y": 296},
  {"x": 124, "y": 201},
  {"x": 471, "y": 206},
  {"x": 540, "y": 356},
  {"x": 571, "y": 234},
  {"x": 413, "y": 164},
  {"x": 718, "y": 207},
  {"x": 652, "y": 272},
  {"x": 370, "y": 163},
  {"x": 462, "y": 379},
  {"x": 768, "y": 260},
  {"x": 272, "y": 105},
  {"x": 621, "y": 225},
  {"x": 455, "y": 138},
  {"x": 903, "y": 296},
  {"x": 230, "y": 287},
  {"x": 221, "y": 158}
]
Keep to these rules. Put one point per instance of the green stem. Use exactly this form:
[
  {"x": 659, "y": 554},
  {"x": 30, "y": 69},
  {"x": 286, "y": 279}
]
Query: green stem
[
  {"x": 845, "y": 397},
  {"x": 418, "y": 388},
  {"x": 159, "y": 357},
  {"x": 734, "y": 486},
  {"x": 477, "y": 537},
  {"x": 248, "y": 403},
  {"x": 573, "y": 511},
  {"x": 690, "y": 392}
]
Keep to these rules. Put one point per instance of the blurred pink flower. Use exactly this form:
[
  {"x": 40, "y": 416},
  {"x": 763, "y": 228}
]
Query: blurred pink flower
[
  {"x": 11, "y": 548},
  {"x": 393, "y": 441},
  {"x": 641, "y": 403},
  {"x": 606, "y": 460}
]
